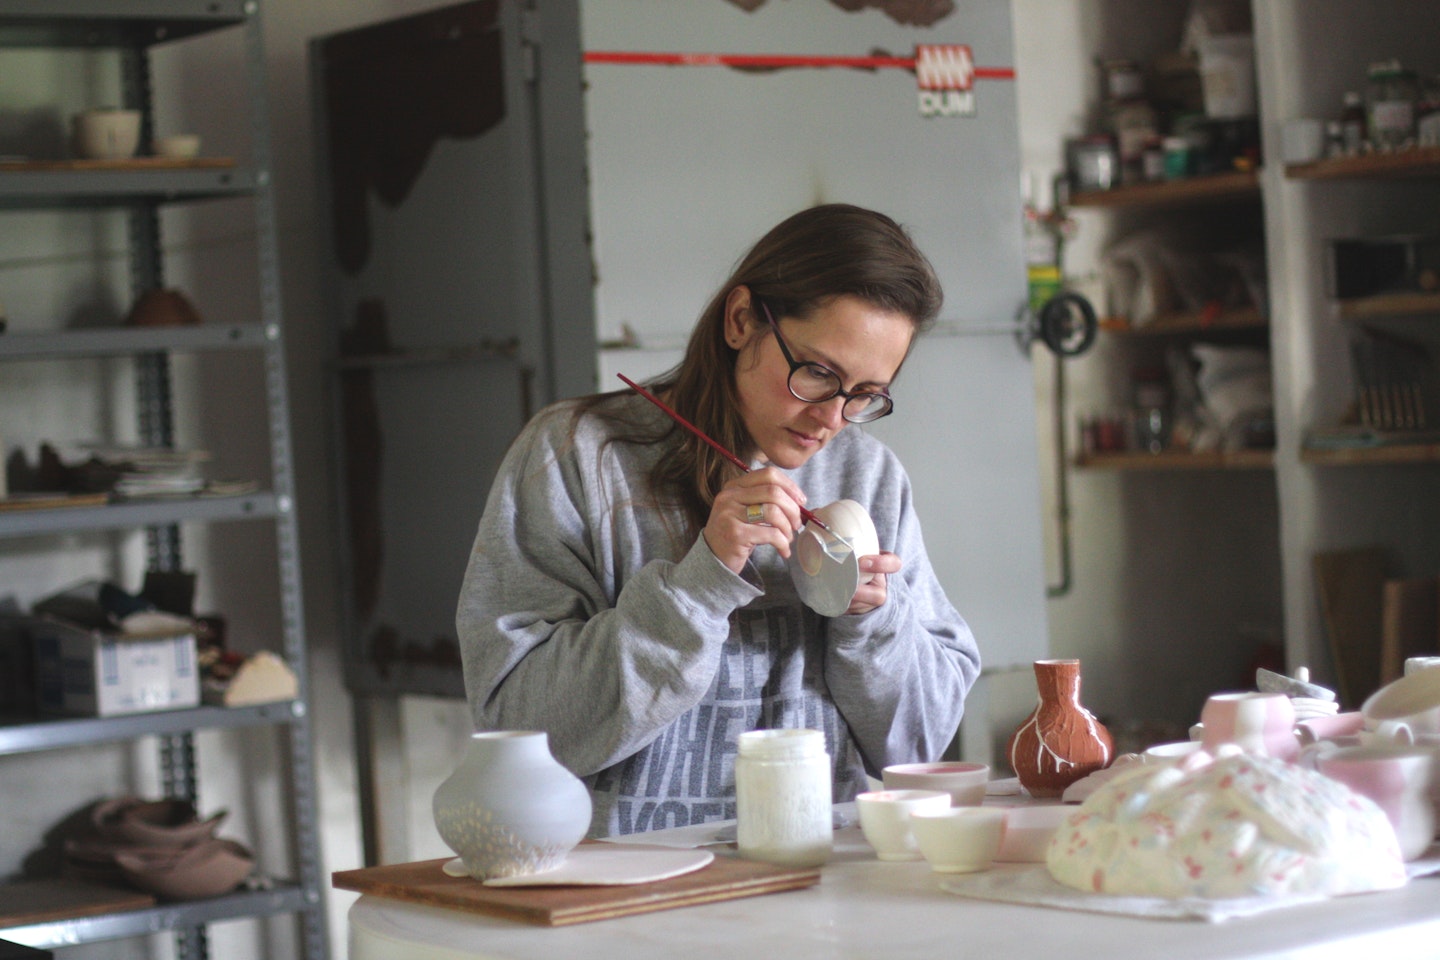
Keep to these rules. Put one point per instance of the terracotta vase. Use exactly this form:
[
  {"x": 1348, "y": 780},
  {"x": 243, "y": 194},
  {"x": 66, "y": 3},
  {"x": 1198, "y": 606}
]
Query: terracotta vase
[
  {"x": 1060, "y": 742},
  {"x": 510, "y": 808}
]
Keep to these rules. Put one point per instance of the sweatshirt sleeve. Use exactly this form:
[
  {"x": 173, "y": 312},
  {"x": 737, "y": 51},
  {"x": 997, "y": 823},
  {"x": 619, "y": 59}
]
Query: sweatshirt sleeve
[
  {"x": 899, "y": 673},
  {"x": 566, "y": 621}
]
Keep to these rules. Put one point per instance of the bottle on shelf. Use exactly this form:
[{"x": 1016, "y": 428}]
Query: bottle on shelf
[
  {"x": 1427, "y": 113},
  {"x": 1390, "y": 105},
  {"x": 1152, "y": 411},
  {"x": 1335, "y": 139},
  {"x": 1352, "y": 123}
]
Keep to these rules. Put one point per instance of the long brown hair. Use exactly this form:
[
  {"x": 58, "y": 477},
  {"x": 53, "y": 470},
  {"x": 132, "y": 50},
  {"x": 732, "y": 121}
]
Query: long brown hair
[{"x": 804, "y": 262}]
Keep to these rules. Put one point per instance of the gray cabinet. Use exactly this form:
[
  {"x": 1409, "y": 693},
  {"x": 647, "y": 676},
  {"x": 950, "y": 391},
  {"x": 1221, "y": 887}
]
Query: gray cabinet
[{"x": 119, "y": 40}]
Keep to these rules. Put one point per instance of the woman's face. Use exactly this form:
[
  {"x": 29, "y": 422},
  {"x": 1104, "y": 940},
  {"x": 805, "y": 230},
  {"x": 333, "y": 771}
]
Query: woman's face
[{"x": 863, "y": 344}]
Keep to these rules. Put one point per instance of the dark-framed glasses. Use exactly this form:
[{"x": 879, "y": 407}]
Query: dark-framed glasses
[{"x": 816, "y": 383}]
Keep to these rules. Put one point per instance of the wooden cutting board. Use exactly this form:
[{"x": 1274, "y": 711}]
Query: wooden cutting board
[{"x": 726, "y": 878}]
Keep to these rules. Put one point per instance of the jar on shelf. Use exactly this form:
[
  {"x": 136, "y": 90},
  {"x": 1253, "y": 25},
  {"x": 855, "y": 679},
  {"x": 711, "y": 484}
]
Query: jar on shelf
[
  {"x": 1152, "y": 160},
  {"x": 1093, "y": 163},
  {"x": 1177, "y": 156},
  {"x": 1123, "y": 80},
  {"x": 1390, "y": 105},
  {"x": 783, "y": 797},
  {"x": 1134, "y": 123}
]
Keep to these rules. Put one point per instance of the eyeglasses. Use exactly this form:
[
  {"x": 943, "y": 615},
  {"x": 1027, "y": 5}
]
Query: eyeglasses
[{"x": 815, "y": 383}]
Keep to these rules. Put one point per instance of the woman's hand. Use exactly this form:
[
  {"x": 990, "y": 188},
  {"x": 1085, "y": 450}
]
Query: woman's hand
[
  {"x": 872, "y": 590},
  {"x": 756, "y": 508}
]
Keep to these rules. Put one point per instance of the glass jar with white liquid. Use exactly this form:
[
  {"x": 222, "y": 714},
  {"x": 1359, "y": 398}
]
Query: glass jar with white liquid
[{"x": 783, "y": 797}]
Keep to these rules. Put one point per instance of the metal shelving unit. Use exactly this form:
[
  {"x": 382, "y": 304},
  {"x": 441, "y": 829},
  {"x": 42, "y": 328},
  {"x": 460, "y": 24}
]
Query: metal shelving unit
[{"x": 140, "y": 188}]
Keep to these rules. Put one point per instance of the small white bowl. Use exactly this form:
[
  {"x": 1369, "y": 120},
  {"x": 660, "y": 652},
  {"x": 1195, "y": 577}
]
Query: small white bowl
[
  {"x": 964, "y": 781},
  {"x": 961, "y": 839},
  {"x": 178, "y": 146},
  {"x": 1172, "y": 752},
  {"x": 885, "y": 819}
]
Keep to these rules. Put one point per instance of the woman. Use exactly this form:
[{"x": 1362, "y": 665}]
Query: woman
[{"x": 628, "y": 592}]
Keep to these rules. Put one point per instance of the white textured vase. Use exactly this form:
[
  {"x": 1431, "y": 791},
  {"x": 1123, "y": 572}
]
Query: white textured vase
[{"x": 510, "y": 808}]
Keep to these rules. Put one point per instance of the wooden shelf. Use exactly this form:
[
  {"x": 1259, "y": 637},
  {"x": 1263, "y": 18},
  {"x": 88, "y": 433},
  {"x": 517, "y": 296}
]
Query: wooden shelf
[
  {"x": 1390, "y": 305},
  {"x": 1248, "y": 318},
  {"x": 1177, "y": 460},
  {"x": 27, "y": 902},
  {"x": 1416, "y": 163},
  {"x": 129, "y": 163},
  {"x": 1218, "y": 186},
  {"x": 1360, "y": 456}
]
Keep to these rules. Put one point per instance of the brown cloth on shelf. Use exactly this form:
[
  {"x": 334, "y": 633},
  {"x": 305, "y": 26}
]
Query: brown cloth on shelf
[{"x": 158, "y": 307}]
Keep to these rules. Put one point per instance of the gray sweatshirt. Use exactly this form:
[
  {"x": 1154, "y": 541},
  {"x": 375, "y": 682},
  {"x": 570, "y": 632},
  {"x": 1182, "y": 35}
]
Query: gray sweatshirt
[{"x": 586, "y": 615}]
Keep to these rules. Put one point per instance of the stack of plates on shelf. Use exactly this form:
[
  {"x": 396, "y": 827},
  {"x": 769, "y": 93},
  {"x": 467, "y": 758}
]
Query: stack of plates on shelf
[{"x": 155, "y": 471}]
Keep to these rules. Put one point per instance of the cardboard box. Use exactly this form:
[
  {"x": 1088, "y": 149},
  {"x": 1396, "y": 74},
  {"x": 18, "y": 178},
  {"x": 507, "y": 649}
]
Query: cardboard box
[{"x": 103, "y": 674}]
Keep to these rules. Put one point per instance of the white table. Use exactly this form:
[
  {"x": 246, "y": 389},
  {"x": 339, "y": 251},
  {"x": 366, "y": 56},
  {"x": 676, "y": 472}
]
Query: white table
[{"x": 863, "y": 908}]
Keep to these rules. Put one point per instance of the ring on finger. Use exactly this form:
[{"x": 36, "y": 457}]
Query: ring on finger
[{"x": 754, "y": 513}]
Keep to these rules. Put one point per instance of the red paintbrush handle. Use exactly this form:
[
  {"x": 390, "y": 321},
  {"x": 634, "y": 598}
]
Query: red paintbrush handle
[{"x": 806, "y": 514}]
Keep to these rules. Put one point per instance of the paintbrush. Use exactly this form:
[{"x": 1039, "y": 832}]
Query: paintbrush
[{"x": 807, "y": 515}]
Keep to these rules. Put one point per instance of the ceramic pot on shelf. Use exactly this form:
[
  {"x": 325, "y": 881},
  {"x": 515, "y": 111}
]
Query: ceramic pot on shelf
[
  {"x": 510, "y": 808},
  {"x": 1060, "y": 742}
]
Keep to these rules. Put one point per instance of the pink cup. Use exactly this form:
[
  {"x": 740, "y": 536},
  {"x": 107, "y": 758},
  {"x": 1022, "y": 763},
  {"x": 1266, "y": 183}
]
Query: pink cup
[
  {"x": 1028, "y": 830},
  {"x": 1260, "y": 723},
  {"x": 1398, "y": 780}
]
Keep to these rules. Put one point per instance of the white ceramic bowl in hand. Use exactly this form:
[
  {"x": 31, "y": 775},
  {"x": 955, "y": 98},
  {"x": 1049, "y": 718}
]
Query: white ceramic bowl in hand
[
  {"x": 961, "y": 839},
  {"x": 964, "y": 781},
  {"x": 885, "y": 819}
]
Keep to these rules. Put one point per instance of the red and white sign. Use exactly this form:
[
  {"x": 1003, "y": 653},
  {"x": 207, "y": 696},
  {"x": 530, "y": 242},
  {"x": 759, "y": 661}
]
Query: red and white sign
[
  {"x": 945, "y": 76},
  {"x": 944, "y": 72}
]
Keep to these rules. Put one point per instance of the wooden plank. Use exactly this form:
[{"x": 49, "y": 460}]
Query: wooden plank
[
  {"x": 130, "y": 163},
  {"x": 1409, "y": 623},
  {"x": 1189, "y": 324},
  {"x": 726, "y": 878},
  {"x": 52, "y": 501},
  {"x": 1164, "y": 193},
  {"x": 27, "y": 902},
  {"x": 1399, "y": 164},
  {"x": 1403, "y": 304},
  {"x": 1351, "y": 584},
  {"x": 1178, "y": 460},
  {"x": 1387, "y": 453}
]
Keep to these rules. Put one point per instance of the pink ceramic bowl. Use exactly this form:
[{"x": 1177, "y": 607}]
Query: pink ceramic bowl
[
  {"x": 1028, "y": 830},
  {"x": 965, "y": 782},
  {"x": 205, "y": 869}
]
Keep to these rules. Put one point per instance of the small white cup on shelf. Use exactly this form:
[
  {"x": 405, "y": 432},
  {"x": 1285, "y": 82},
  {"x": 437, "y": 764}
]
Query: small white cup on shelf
[{"x": 107, "y": 133}]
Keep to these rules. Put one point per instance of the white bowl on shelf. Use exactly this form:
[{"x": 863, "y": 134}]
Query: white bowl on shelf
[{"x": 177, "y": 146}]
